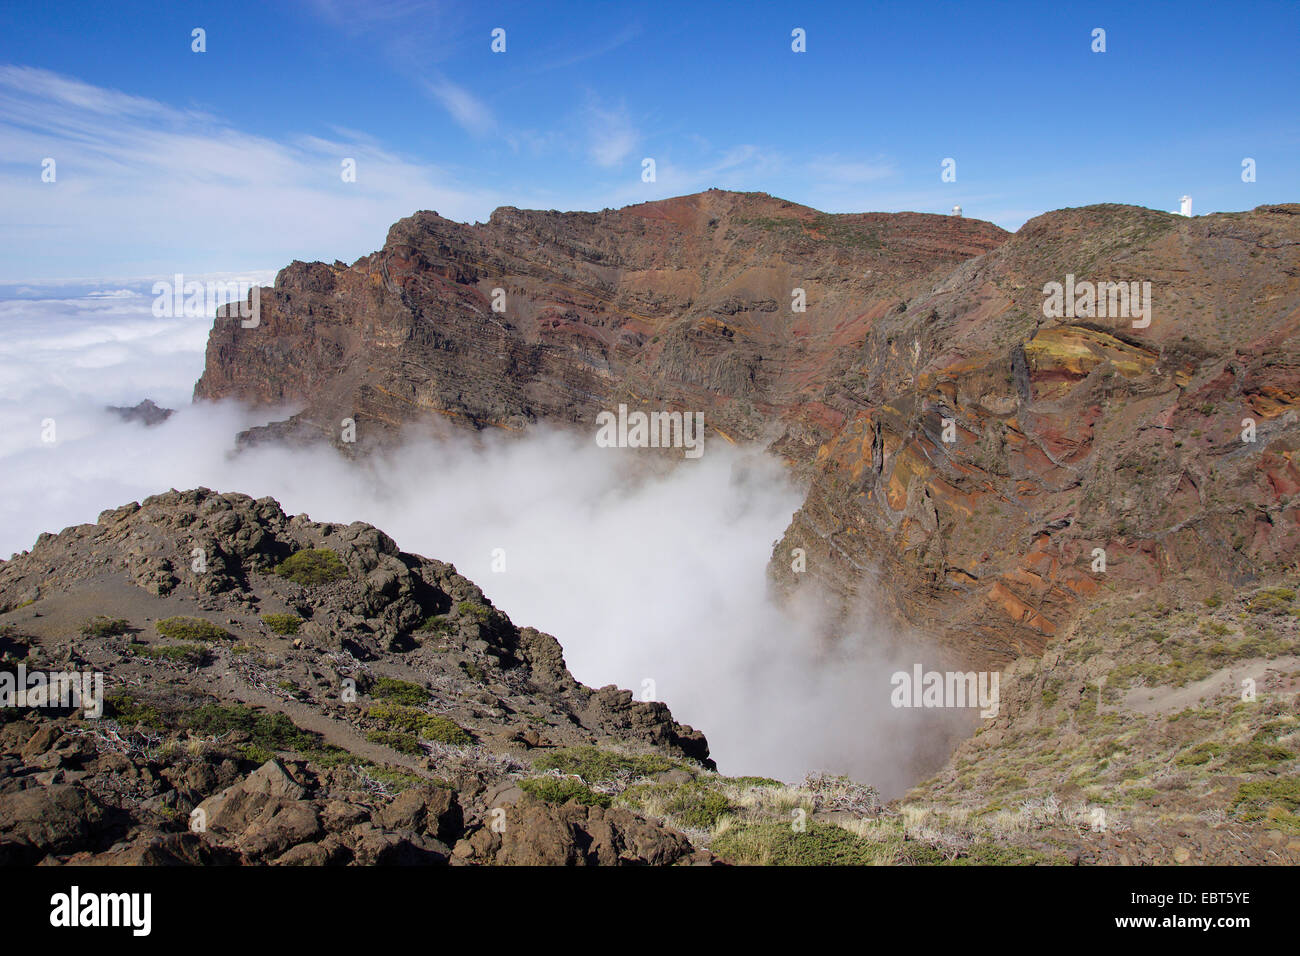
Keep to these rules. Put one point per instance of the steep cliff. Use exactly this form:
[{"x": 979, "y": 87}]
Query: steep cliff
[
  {"x": 1169, "y": 446},
  {"x": 684, "y": 303},
  {"x": 967, "y": 454}
]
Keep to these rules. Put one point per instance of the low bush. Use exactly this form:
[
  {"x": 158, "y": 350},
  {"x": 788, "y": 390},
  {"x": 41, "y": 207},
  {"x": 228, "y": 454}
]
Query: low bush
[
  {"x": 415, "y": 722},
  {"x": 100, "y": 626},
  {"x": 401, "y": 742},
  {"x": 129, "y": 711},
  {"x": 400, "y": 691},
  {"x": 777, "y": 844},
  {"x": 287, "y": 624},
  {"x": 195, "y": 654},
  {"x": 595, "y": 765},
  {"x": 563, "y": 790},
  {"x": 312, "y": 566}
]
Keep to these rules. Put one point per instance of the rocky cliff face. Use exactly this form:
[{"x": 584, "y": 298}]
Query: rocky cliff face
[
  {"x": 1068, "y": 435},
  {"x": 966, "y": 453},
  {"x": 682, "y": 304}
]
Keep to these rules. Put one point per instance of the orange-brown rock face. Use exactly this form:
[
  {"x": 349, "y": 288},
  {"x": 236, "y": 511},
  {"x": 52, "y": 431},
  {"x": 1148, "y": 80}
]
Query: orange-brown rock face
[
  {"x": 968, "y": 454},
  {"x": 1071, "y": 440}
]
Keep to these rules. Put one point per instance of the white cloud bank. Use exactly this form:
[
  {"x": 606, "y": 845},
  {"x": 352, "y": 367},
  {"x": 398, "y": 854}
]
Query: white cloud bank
[{"x": 653, "y": 579}]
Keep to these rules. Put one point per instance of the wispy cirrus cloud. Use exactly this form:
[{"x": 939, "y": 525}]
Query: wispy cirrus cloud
[
  {"x": 468, "y": 110},
  {"x": 611, "y": 134},
  {"x": 143, "y": 187},
  {"x": 580, "y": 52}
]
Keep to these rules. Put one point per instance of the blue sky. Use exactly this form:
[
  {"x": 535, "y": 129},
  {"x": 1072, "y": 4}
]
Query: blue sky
[{"x": 169, "y": 160}]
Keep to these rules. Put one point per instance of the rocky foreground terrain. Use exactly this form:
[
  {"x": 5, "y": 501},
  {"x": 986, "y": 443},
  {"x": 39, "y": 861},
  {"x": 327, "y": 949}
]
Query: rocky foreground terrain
[
  {"x": 299, "y": 692},
  {"x": 278, "y": 691}
]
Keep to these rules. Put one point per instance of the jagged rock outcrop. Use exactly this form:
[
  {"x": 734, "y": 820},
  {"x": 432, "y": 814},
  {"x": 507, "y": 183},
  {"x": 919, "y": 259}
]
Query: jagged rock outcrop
[
  {"x": 278, "y": 690},
  {"x": 147, "y": 413}
]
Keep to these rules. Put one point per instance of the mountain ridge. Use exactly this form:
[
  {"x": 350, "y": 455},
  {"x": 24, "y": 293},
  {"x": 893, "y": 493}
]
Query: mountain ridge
[{"x": 911, "y": 320}]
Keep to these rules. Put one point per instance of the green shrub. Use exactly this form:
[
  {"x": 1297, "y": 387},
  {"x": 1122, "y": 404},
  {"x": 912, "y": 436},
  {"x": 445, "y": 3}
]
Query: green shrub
[
  {"x": 282, "y": 623},
  {"x": 1257, "y": 754},
  {"x": 416, "y": 722},
  {"x": 312, "y": 566},
  {"x": 437, "y": 623},
  {"x": 753, "y": 781},
  {"x": 445, "y": 730},
  {"x": 400, "y": 691},
  {"x": 777, "y": 844},
  {"x": 100, "y": 626},
  {"x": 328, "y": 755},
  {"x": 270, "y": 731},
  {"x": 475, "y": 673},
  {"x": 564, "y": 790},
  {"x": 397, "y": 716},
  {"x": 125, "y": 709},
  {"x": 595, "y": 765},
  {"x": 988, "y": 853},
  {"x": 1271, "y": 601},
  {"x": 191, "y": 629},
  {"x": 195, "y": 654},
  {"x": 402, "y": 743},
  {"x": 695, "y": 805},
  {"x": 480, "y": 613},
  {"x": 1274, "y": 799}
]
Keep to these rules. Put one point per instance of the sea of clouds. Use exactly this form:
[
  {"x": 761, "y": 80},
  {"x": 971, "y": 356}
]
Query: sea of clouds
[{"x": 651, "y": 582}]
